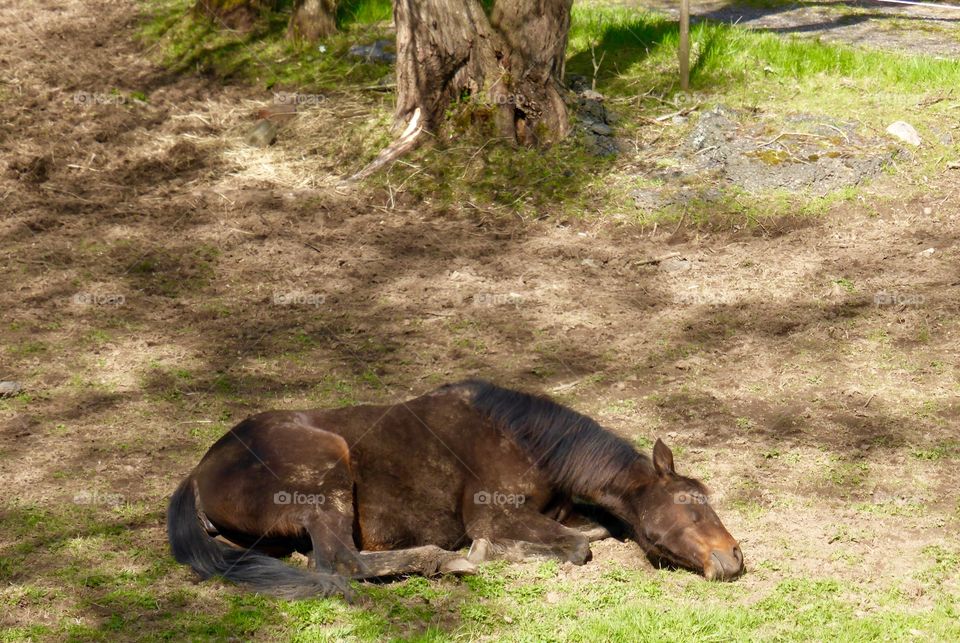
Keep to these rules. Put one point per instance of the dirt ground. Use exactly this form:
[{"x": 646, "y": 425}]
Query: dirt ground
[{"x": 161, "y": 281}]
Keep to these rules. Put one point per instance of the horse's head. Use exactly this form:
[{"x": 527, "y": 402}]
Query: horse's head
[{"x": 673, "y": 520}]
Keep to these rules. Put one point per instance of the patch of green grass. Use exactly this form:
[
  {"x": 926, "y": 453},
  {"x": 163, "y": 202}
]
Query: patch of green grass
[
  {"x": 643, "y": 443},
  {"x": 121, "y": 582},
  {"x": 363, "y": 12},
  {"x": 845, "y": 283},
  {"x": 622, "y": 407},
  {"x": 28, "y": 348},
  {"x": 640, "y": 47},
  {"x": 891, "y": 508},
  {"x": 946, "y": 563},
  {"x": 847, "y": 474},
  {"x": 333, "y": 390},
  {"x": 945, "y": 449},
  {"x": 264, "y": 55}
]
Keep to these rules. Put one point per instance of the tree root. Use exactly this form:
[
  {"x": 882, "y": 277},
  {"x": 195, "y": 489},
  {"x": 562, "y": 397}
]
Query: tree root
[{"x": 407, "y": 142}]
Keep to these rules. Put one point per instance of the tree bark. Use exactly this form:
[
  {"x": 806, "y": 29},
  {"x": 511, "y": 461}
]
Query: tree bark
[
  {"x": 313, "y": 20},
  {"x": 512, "y": 61}
]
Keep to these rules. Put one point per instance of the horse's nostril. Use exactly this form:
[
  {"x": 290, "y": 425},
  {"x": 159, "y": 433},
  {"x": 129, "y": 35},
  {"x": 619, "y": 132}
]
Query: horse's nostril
[{"x": 726, "y": 564}]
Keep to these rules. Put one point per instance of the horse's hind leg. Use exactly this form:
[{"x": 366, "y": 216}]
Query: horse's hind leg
[
  {"x": 334, "y": 551},
  {"x": 427, "y": 560},
  {"x": 517, "y": 534}
]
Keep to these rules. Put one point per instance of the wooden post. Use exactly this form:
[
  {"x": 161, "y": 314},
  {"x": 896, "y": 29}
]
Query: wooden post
[{"x": 685, "y": 45}]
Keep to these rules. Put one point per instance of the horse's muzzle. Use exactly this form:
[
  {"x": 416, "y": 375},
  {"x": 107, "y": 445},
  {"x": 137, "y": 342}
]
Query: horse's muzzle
[{"x": 724, "y": 565}]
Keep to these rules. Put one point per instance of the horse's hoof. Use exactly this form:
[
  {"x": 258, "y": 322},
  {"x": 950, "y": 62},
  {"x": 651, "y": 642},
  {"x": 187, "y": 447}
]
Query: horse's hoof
[
  {"x": 458, "y": 567},
  {"x": 478, "y": 550},
  {"x": 581, "y": 555}
]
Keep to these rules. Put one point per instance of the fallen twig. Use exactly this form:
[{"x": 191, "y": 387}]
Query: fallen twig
[
  {"x": 682, "y": 112},
  {"x": 655, "y": 260}
]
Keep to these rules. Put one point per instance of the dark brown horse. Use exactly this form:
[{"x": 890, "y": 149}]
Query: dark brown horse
[{"x": 374, "y": 491}]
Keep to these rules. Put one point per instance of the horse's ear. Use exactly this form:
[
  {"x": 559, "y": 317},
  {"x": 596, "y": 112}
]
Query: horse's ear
[{"x": 662, "y": 458}]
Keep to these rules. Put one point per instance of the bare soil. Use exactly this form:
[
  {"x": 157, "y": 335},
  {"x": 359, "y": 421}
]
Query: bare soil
[{"x": 161, "y": 280}]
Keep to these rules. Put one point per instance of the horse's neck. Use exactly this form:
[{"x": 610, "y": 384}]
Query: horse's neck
[{"x": 619, "y": 494}]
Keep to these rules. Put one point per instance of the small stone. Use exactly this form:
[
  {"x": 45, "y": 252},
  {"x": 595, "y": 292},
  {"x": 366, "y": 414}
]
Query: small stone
[
  {"x": 905, "y": 132},
  {"x": 508, "y": 619},
  {"x": 263, "y": 134},
  {"x": 602, "y": 129},
  {"x": 675, "y": 265},
  {"x": 928, "y": 211},
  {"x": 589, "y": 263},
  {"x": 9, "y": 389},
  {"x": 552, "y": 598},
  {"x": 578, "y": 83},
  {"x": 928, "y": 252},
  {"x": 378, "y": 52}
]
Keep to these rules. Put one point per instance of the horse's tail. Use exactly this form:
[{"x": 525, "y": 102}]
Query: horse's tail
[{"x": 192, "y": 546}]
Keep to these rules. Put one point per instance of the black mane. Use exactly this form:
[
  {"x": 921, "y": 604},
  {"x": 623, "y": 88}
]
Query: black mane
[{"x": 578, "y": 455}]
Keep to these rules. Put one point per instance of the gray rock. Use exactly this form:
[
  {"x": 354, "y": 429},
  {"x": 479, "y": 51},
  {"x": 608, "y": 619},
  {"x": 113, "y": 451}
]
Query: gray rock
[
  {"x": 263, "y": 134},
  {"x": 378, "y": 52},
  {"x": 578, "y": 83},
  {"x": 905, "y": 132},
  {"x": 602, "y": 145},
  {"x": 9, "y": 389},
  {"x": 602, "y": 129},
  {"x": 646, "y": 199},
  {"x": 591, "y": 111},
  {"x": 675, "y": 265}
]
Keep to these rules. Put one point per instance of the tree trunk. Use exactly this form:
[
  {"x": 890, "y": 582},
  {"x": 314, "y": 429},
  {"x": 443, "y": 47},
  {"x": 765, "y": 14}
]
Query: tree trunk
[
  {"x": 513, "y": 61},
  {"x": 312, "y": 20},
  {"x": 240, "y": 15}
]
